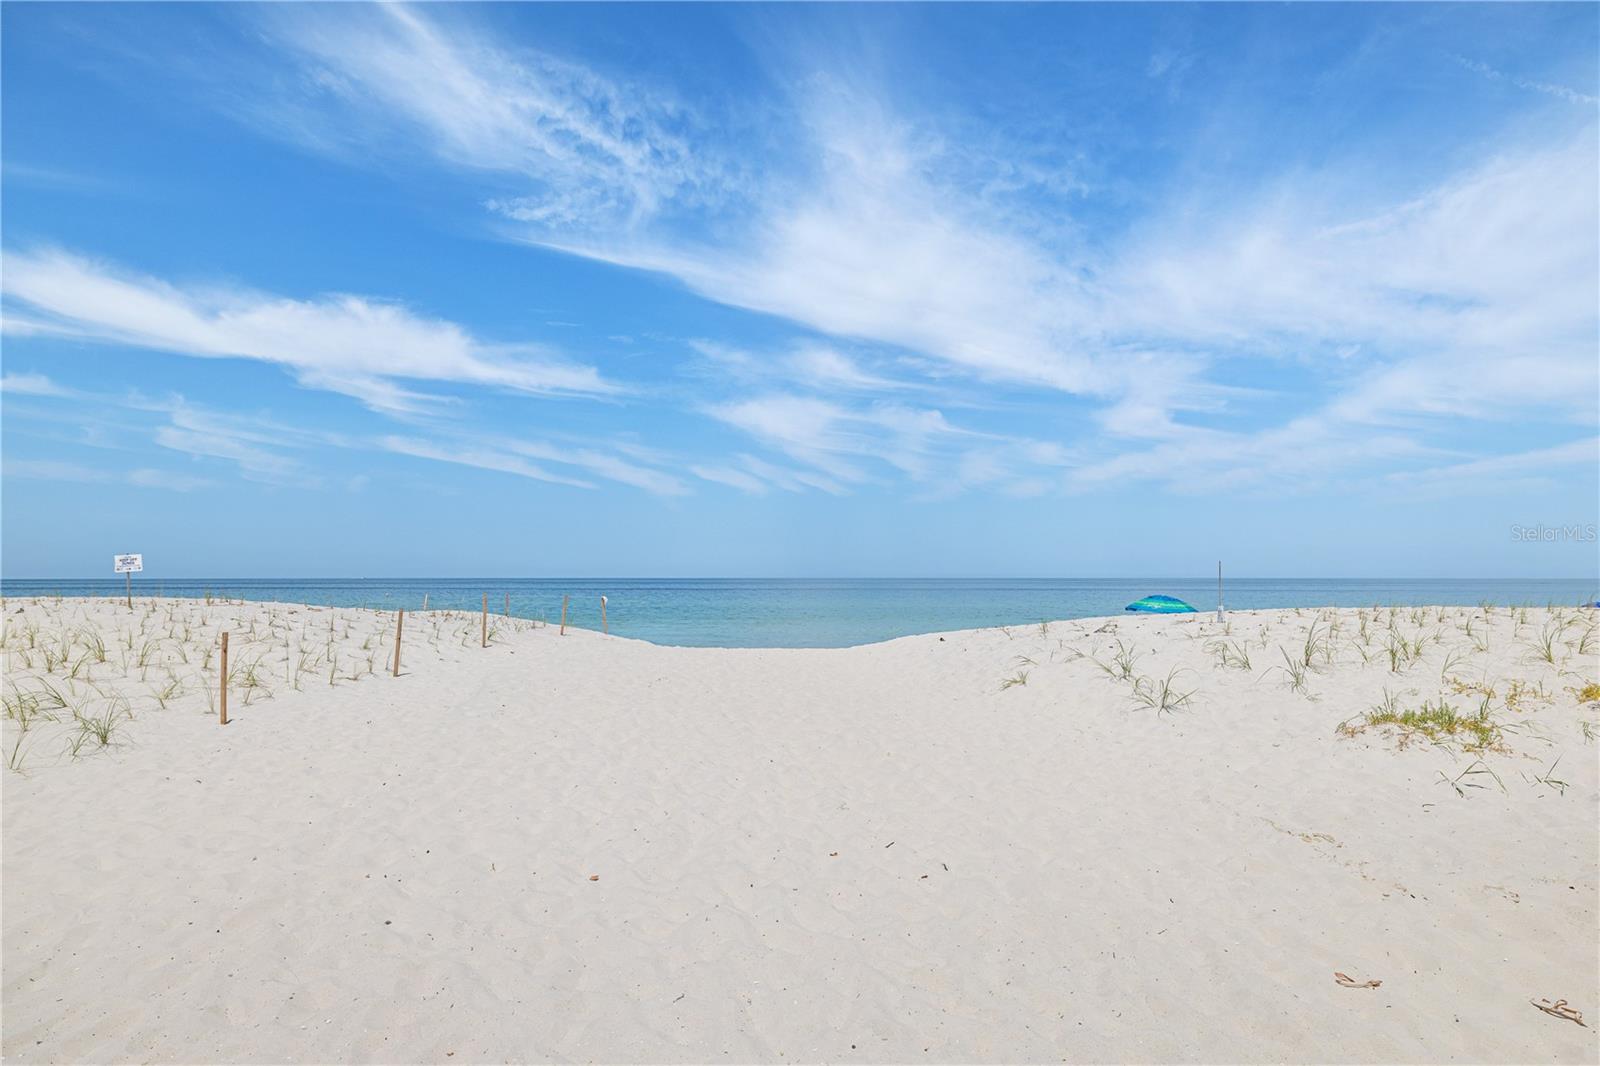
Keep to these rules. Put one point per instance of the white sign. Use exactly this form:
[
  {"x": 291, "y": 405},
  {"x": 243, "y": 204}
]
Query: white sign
[{"x": 127, "y": 564}]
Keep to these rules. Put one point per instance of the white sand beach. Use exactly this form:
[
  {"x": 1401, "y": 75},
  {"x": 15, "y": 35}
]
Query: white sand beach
[{"x": 975, "y": 846}]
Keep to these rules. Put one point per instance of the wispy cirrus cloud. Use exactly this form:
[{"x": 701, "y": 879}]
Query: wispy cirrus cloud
[
  {"x": 589, "y": 150},
  {"x": 873, "y": 248},
  {"x": 863, "y": 443},
  {"x": 142, "y": 477},
  {"x": 258, "y": 448},
  {"x": 31, "y": 385},
  {"x": 1536, "y": 464},
  {"x": 530, "y": 459},
  {"x": 757, "y": 476},
  {"x": 1490, "y": 274},
  {"x": 809, "y": 364},
  {"x": 342, "y": 343},
  {"x": 1561, "y": 92},
  {"x": 732, "y": 477},
  {"x": 1400, "y": 301}
]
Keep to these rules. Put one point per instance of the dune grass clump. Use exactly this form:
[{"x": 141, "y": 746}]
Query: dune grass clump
[
  {"x": 167, "y": 692},
  {"x": 1435, "y": 721},
  {"x": 1479, "y": 637},
  {"x": 1297, "y": 670},
  {"x": 1230, "y": 654},
  {"x": 1019, "y": 678},
  {"x": 1549, "y": 779},
  {"x": 97, "y": 732},
  {"x": 1122, "y": 663},
  {"x": 1471, "y": 778},
  {"x": 1162, "y": 696},
  {"x": 26, "y": 707},
  {"x": 1546, "y": 646}
]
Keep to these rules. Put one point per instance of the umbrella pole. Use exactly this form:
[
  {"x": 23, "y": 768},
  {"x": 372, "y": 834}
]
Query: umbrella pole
[{"x": 1219, "y": 590}]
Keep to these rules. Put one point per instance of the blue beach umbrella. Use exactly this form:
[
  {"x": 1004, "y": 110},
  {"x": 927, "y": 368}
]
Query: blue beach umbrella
[{"x": 1160, "y": 605}]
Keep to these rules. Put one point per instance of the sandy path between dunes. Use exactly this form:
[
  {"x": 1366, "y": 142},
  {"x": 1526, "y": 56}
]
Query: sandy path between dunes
[{"x": 873, "y": 854}]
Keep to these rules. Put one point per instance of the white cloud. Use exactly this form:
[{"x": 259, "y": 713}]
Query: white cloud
[
  {"x": 512, "y": 456},
  {"x": 790, "y": 480},
  {"x": 57, "y": 470},
  {"x": 816, "y": 432},
  {"x": 1301, "y": 454},
  {"x": 825, "y": 367},
  {"x": 1559, "y": 91},
  {"x": 600, "y": 464},
  {"x": 850, "y": 445},
  {"x": 342, "y": 343},
  {"x": 262, "y": 449},
  {"x": 52, "y": 470},
  {"x": 1468, "y": 295},
  {"x": 1474, "y": 298},
  {"x": 808, "y": 365},
  {"x": 594, "y": 150},
  {"x": 1496, "y": 265},
  {"x": 163, "y": 479},
  {"x": 482, "y": 458},
  {"x": 725, "y": 475},
  {"x": 1535, "y": 464},
  {"x": 31, "y": 385},
  {"x": 875, "y": 249}
]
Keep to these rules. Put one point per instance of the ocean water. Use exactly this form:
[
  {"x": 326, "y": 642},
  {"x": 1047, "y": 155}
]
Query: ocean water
[{"x": 764, "y": 613}]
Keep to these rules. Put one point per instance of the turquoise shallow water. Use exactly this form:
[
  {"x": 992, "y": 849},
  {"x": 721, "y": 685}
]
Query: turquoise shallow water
[{"x": 760, "y": 613}]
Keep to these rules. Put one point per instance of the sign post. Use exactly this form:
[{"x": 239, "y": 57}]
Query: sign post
[{"x": 128, "y": 565}]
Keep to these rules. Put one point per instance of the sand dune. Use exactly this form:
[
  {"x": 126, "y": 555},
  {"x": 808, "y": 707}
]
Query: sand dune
[{"x": 974, "y": 846}]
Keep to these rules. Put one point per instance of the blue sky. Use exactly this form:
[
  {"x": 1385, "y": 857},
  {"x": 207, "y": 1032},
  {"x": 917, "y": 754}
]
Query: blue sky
[{"x": 306, "y": 290}]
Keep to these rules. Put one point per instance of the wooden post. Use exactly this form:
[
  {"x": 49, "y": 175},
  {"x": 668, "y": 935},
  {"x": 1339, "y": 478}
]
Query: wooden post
[
  {"x": 485, "y": 619},
  {"x": 508, "y": 605},
  {"x": 603, "y": 627},
  {"x": 129, "y": 575},
  {"x": 563, "y": 616},
  {"x": 399, "y": 624},
  {"x": 223, "y": 682}
]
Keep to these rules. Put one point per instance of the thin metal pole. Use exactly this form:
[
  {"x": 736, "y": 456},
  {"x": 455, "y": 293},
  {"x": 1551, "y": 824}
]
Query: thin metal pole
[{"x": 1219, "y": 590}]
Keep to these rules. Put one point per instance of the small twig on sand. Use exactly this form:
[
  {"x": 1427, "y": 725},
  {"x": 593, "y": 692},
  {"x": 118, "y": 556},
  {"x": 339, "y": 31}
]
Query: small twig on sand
[{"x": 1559, "y": 1009}]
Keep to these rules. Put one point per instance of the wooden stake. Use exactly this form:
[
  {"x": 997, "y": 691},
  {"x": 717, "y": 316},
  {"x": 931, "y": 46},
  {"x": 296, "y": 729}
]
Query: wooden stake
[
  {"x": 485, "y": 619},
  {"x": 563, "y": 616},
  {"x": 129, "y": 576},
  {"x": 399, "y": 624},
  {"x": 603, "y": 627},
  {"x": 223, "y": 684},
  {"x": 508, "y": 605}
]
